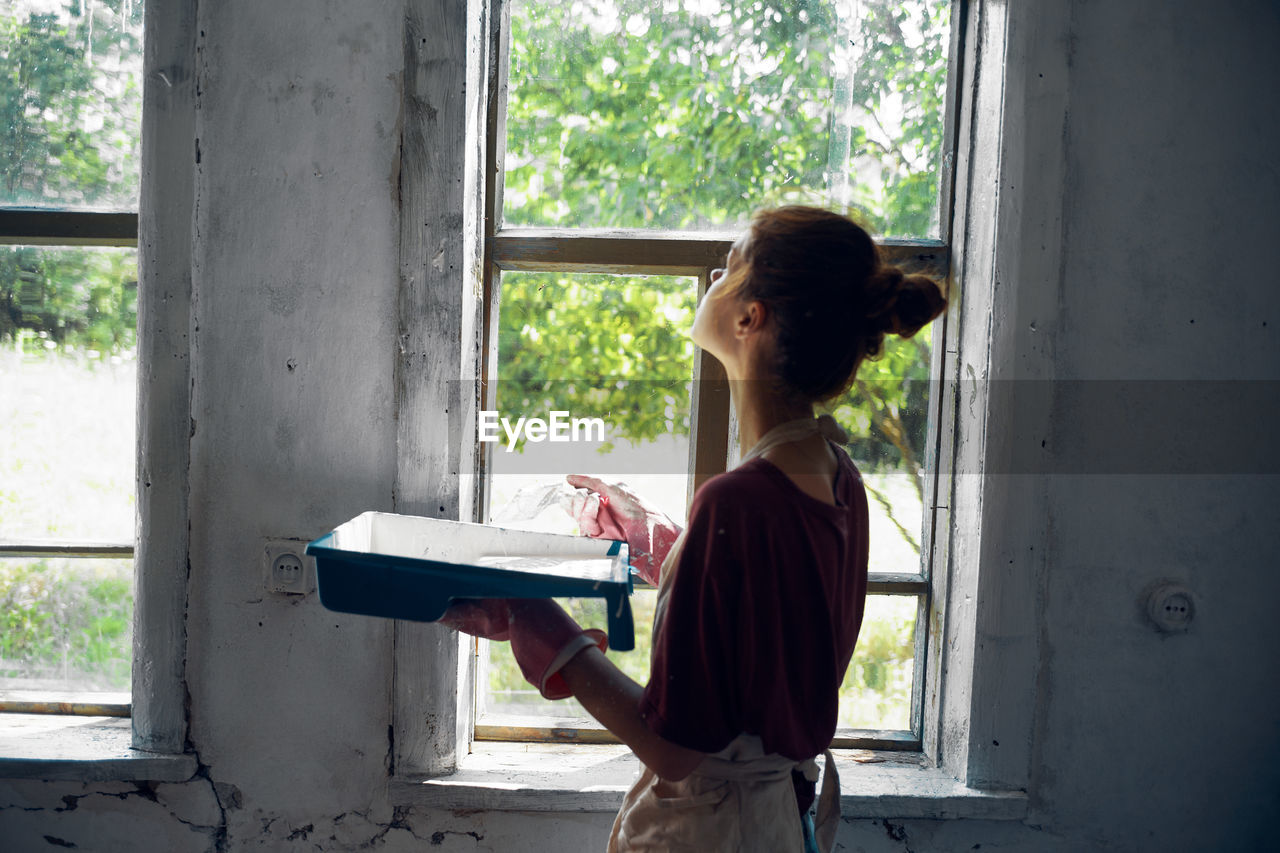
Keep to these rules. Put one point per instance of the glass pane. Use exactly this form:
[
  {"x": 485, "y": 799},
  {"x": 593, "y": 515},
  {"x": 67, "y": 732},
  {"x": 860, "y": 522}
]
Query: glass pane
[
  {"x": 68, "y": 321},
  {"x": 565, "y": 340},
  {"x": 509, "y": 693},
  {"x": 607, "y": 347},
  {"x": 71, "y": 98},
  {"x": 886, "y": 414},
  {"x": 68, "y": 624},
  {"x": 593, "y": 346},
  {"x": 876, "y": 693},
  {"x": 692, "y": 113}
]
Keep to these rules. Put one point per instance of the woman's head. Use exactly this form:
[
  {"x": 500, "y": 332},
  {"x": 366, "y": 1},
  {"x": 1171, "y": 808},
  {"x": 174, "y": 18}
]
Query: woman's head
[{"x": 821, "y": 289}]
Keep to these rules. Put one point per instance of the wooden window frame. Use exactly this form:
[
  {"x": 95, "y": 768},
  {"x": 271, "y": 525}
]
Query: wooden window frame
[
  {"x": 161, "y": 232},
  {"x": 649, "y": 252},
  {"x": 21, "y": 226}
]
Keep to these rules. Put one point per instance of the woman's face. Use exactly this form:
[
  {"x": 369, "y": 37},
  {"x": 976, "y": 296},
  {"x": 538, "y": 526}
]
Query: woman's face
[{"x": 713, "y": 324}]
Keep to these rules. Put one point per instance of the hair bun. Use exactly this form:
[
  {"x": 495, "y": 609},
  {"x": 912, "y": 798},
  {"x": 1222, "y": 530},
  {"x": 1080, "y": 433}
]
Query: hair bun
[{"x": 907, "y": 303}]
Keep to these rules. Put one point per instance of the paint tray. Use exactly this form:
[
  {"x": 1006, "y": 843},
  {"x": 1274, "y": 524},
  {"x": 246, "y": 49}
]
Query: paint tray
[{"x": 406, "y": 567}]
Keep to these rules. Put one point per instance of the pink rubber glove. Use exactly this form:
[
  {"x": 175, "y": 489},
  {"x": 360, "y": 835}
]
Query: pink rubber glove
[
  {"x": 620, "y": 513},
  {"x": 543, "y": 639}
]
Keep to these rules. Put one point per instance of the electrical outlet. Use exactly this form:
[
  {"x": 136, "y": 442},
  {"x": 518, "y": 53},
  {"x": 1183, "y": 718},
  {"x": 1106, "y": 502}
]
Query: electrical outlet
[
  {"x": 1171, "y": 607},
  {"x": 286, "y": 569}
]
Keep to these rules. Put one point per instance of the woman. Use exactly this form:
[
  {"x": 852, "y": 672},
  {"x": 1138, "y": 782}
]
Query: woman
[{"x": 761, "y": 597}]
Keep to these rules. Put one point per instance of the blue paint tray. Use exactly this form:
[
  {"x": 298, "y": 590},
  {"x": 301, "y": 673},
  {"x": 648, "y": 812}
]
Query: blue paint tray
[{"x": 406, "y": 567}]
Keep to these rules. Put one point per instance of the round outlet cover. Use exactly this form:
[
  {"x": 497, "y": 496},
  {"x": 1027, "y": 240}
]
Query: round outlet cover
[{"x": 1171, "y": 607}]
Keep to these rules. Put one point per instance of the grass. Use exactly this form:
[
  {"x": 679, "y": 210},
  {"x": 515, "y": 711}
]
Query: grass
[
  {"x": 67, "y": 449},
  {"x": 66, "y": 472},
  {"x": 67, "y": 624}
]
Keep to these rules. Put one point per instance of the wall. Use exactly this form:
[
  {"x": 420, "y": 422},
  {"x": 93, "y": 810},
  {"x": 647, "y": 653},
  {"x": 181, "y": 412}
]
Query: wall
[{"x": 1148, "y": 149}]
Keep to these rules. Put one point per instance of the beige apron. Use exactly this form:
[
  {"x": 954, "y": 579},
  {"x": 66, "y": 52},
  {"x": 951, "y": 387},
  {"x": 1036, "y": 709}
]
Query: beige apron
[{"x": 738, "y": 799}]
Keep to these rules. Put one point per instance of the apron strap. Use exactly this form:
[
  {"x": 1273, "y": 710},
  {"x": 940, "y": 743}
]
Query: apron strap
[{"x": 828, "y": 820}]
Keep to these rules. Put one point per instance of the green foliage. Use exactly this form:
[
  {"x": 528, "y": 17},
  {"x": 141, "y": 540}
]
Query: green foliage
[
  {"x": 671, "y": 115},
  {"x": 636, "y": 114},
  {"x": 70, "y": 105},
  {"x": 904, "y": 67},
  {"x": 885, "y": 411},
  {"x": 614, "y": 347},
  {"x": 675, "y": 115},
  {"x": 876, "y": 692},
  {"x": 69, "y": 298},
  {"x": 73, "y": 624}
]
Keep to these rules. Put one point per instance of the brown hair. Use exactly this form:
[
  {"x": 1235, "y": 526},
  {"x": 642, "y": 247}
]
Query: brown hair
[{"x": 833, "y": 300}]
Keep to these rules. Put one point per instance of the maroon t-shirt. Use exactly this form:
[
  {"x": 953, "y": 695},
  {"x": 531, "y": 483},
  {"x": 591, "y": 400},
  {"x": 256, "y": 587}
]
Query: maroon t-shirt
[{"x": 762, "y": 614}]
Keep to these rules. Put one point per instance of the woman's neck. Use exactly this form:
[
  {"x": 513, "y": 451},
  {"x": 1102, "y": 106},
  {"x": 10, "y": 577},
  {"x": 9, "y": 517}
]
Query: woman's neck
[{"x": 760, "y": 408}]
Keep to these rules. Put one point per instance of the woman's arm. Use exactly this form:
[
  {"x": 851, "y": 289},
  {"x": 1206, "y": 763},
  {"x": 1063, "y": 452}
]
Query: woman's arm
[{"x": 613, "y": 699}]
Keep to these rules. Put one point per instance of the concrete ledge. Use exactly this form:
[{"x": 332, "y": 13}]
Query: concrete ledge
[
  {"x": 53, "y": 747},
  {"x": 588, "y": 778}
]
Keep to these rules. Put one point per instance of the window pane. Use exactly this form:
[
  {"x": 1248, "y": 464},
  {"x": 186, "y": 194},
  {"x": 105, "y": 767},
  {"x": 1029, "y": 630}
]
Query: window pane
[
  {"x": 68, "y": 624},
  {"x": 606, "y": 346},
  {"x": 71, "y": 99},
  {"x": 564, "y": 341},
  {"x": 67, "y": 382},
  {"x": 886, "y": 414},
  {"x": 507, "y": 692},
  {"x": 876, "y": 693},
  {"x": 692, "y": 113}
]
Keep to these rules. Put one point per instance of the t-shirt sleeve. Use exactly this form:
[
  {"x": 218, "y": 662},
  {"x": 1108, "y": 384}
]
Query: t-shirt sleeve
[{"x": 693, "y": 696}]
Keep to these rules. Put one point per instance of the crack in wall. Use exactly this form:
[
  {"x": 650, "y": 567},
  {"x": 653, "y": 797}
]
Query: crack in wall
[
  {"x": 147, "y": 791},
  {"x": 220, "y": 834},
  {"x": 437, "y": 838},
  {"x": 399, "y": 820},
  {"x": 897, "y": 832}
]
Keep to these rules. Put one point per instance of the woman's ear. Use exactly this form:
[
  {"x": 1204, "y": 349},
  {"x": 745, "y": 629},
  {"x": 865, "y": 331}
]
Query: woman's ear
[{"x": 750, "y": 319}]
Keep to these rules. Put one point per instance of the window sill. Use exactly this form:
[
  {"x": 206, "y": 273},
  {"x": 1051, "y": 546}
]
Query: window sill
[
  {"x": 53, "y": 747},
  {"x": 594, "y": 778}
]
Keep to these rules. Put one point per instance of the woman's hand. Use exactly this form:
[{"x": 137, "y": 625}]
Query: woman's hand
[
  {"x": 616, "y": 512},
  {"x": 560, "y": 659},
  {"x": 543, "y": 637},
  {"x": 487, "y": 618}
]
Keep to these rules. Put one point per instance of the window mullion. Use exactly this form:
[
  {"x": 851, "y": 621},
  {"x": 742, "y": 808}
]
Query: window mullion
[
  {"x": 584, "y": 250},
  {"x": 888, "y": 583},
  {"x": 641, "y": 252},
  {"x": 64, "y": 549},
  {"x": 497, "y": 45},
  {"x": 709, "y": 413},
  {"x": 37, "y": 227}
]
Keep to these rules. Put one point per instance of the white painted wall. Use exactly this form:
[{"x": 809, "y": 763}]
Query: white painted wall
[
  {"x": 295, "y": 275},
  {"x": 1159, "y": 167}
]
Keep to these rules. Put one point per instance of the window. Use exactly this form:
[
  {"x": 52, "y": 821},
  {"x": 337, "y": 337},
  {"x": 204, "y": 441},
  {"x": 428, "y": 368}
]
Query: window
[
  {"x": 634, "y": 141},
  {"x": 71, "y": 96}
]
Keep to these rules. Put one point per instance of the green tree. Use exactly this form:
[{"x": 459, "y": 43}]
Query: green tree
[
  {"x": 677, "y": 116},
  {"x": 70, "y": 104},
  {"x": 635, "y": 114},
  {"x": 70, "y": 298}
]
